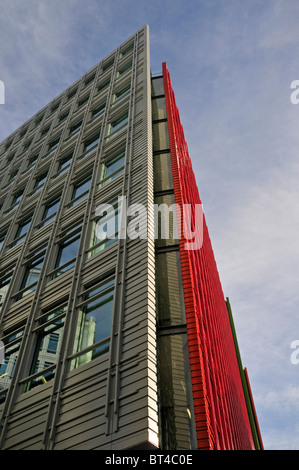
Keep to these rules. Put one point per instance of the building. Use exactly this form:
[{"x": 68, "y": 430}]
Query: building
[{"x": 112, "y": 341}]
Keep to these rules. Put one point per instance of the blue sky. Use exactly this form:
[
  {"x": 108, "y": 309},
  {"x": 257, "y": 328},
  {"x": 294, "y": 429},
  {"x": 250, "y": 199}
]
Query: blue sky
[{"x": 231, "y": 64}]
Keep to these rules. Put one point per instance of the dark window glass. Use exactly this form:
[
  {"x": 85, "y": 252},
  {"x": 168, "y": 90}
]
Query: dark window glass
[
  {"x": 12, "y": 343},
  {"x": 170, "y": 295},
  {"x": 94, "y": 323},
  {"x": 47, "y": 347},
  {"x": 80, "y": 189},
  {"x": 112, "y": 168},
  {"x": 67, "y": 253},
  {"x": 50, "y": 210},
  {"x": 31, "y": 276}
]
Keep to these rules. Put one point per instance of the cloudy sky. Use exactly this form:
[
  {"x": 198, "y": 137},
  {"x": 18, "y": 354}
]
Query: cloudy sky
[{"x": 231, "y": 64}]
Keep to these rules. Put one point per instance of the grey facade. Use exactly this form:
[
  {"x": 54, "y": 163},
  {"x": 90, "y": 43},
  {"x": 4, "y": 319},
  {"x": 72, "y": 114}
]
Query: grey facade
[{"x": 78, "y": 314}]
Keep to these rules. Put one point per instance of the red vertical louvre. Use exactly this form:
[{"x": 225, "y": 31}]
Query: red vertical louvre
[{"x": 220, "y": 410}]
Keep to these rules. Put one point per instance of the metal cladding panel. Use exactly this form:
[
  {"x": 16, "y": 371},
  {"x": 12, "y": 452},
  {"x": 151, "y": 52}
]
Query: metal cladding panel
[{"x": 220, "y": 409}]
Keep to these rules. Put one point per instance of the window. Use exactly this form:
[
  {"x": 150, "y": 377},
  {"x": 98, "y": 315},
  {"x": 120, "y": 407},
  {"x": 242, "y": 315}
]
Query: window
[
  {"x": 112, "y": 168},
  {"x": 83, "y": 100},
  {"x": 16, "y": 198},
  {"x": 89, "y": 79},
  {"x": 64, "y": 162},
  {"x": 104, "y": 84},
  {"x": 67, "y": 253},
  {"x": 63, "y": 116},
  {"x": 2, "y": 238},
  {"x": 12, "y": 343},
  {"x": 55, "y": 107},
  {"x": 12, "y": 175},
  {"x": 39, "y": 182},
  {"x": 75, "y": 128},
  {"x": 5, "y": 280},
  {"x": 91, "y": 144},
  {"x": 72, "y": 93},
  {"x": 105, "y": 228},
  {"x": 27, "y": 144},
  {"x": 108, "y": 64},
  {"x": 31, "y": 276},
  {"x": 118, "y": 124},
  {"x": 162, "y": 172},
  {"x": 98, "y": 111},
  {"x": 32, "y": 160},
  {"x": 80, "y": 190},
  {"x": 45, "y": 130},
  {"x": 127, "y": 50},
  {"x": 122, "y": 70},
  {"x": 10, "y": 157},
  {"x": 94, "y": 323},
  {"x": 122, "y": 93},
  {"x": 50, "y": 211},
  {"x": 22, "y": 230},
  {"x": 53, "y": 145},
  {"x": 47, "y": 347}
]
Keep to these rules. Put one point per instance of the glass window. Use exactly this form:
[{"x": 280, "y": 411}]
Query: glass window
[
  {"x": 22, "y": 230},
  {"x": 177, "y": 425},
  {"x": 159, "y": 108},
  {"x": 105, "y": 228},
  {"x": 32, "y": 160},
  {"x": 2, "y": 238},
  {"x": 31, "y": 277},
  {"x": 104, "y": 84},
  {"x": 91, "y": 144},
  {"x": 162, "y": 172},
  {"x": 98, "y": 111},
  {"x": 12, "y": 175},
  {"x": 122, "y": 70},
  {"x": 94, "y": 323},
  {"x": 112, "y": 168},
  {"x": 75, "y": 128},
  {"x": 65, "y": 162},
  {"x": 67, "y": 253},
  {"x": 127, "y": 50},
  {"x": 53, "y": 145},
  {"x": 50, "y": 211},
  {"x": 108, "y": 64},
  {"x": 170, "y": 296},
  {"x": 12, "y": 343},
  {"x": 122, "y": 93},
  {"x": 63, "y": 116},
  {"x": 160, "y": 136},
  {"x": 39, "y": 182},
  {"x": 5, "y": 280},
  {"x": 118, "y": 124},
  {"x": 47, "y": 347},
  {"x": 157, "y": 86},
  {"x": 17, "y": 197},
  {"x": 167, "y": 216},
  {"x": 89, "y": 79},
  {"x": 45, "y": 131},
  {"x": 72, "y": 93},
  {"x": 80, "y": 189},
  {"x": 83, "y": 101}
]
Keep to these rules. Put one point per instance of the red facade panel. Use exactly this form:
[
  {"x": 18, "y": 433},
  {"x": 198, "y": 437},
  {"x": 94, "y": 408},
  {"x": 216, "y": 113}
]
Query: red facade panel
[{"x": 221, "y": 416}]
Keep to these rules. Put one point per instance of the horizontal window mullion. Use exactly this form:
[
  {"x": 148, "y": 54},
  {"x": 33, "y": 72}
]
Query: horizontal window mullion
[
  {"x": 89, "y": 348},
  {"x": 50, "y": 322},
  {"x": 38, "y": 374}
]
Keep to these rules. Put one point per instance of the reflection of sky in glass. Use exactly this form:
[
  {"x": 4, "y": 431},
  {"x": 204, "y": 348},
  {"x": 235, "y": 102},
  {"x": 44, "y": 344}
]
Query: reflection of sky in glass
[
  {"x": 68, "y": 250},
  {"x": 81, "y": 187}
]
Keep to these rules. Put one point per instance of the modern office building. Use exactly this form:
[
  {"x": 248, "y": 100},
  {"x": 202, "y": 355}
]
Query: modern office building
[{"x": 115, "y": 338}]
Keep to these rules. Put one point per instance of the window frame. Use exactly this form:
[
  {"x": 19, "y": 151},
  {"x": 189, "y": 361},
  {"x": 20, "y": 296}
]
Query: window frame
[{"x": 96, "y": 348}]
